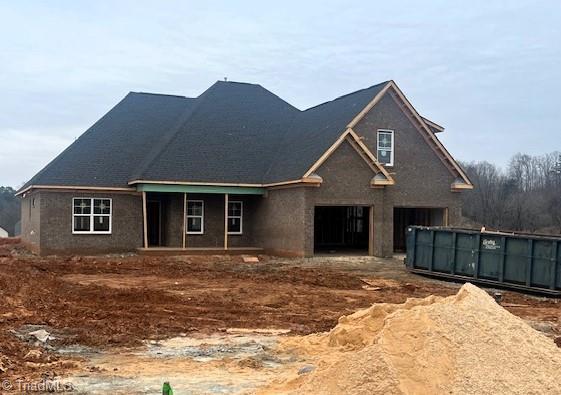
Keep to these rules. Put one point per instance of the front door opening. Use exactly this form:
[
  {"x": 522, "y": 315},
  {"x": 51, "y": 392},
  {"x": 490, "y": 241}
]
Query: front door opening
[
  {"x": 341, "y": 229},
  {"x": 407, "y": 216},
  {"x": 154, "y": 219}
]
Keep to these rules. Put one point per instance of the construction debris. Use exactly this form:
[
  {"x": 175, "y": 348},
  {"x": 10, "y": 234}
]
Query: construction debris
[
  {"x": 250, "y": 259},
  {"x": 42, "y": 335}
]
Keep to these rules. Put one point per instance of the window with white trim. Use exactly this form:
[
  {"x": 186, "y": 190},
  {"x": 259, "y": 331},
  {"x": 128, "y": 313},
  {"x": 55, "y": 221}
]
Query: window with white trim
[
  {"x": 91, "y": 215},
  {"x": 385, "y": 147},
  {"x": 235, "y": 218},
  {"x": 195, "y": 217}
]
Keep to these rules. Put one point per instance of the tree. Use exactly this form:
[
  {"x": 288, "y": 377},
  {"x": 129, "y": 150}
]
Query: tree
[
  {"x": 9, "y": 209},
  {"x": 524, "y": 197}
]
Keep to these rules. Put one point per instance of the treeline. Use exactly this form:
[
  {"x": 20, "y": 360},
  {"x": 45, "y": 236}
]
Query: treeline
[
  {"x": 526, "y": 196},
  {"x": 9, "y": 209}
]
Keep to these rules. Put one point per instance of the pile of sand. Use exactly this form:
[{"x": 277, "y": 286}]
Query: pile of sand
[{"x": 462, "y": 344}]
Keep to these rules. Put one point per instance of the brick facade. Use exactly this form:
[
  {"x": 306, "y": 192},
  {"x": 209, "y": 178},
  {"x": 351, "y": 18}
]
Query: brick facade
[{"x": 282, "y": 221}]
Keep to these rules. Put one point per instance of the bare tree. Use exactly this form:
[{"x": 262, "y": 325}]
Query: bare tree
[{"x": 524, "y": 197}]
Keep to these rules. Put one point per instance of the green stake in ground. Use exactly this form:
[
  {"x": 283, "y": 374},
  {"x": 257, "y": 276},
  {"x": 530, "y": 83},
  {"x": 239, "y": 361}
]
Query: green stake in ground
[{"x": 166, "y": 389}]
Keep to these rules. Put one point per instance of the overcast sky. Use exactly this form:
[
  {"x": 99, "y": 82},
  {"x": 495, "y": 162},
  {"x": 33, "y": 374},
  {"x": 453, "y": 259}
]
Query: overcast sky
[{"x": 490, "y": 73}]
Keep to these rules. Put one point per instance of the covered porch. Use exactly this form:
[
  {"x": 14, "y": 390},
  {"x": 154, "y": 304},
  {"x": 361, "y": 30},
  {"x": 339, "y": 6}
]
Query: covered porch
[{"x": 199, "y": 219}]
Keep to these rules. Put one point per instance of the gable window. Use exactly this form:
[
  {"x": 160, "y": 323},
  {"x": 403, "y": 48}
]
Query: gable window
[
  {"x": 385, "y": 147},
  {"x": 91, "y": 215},
  {"x": 235, "y": 218},
  {"x": 195, "y": 217}
]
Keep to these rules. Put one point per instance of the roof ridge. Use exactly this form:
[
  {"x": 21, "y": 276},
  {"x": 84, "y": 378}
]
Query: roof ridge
[
  {"x": 303, "y": 113},
  {"x": 346, "y": 95},
  {"x": 157, "y": 150},
  {"x": 162, "y": 94},
  {"x": 277, "y": 152},
  {"x": 166, "y": 141}
]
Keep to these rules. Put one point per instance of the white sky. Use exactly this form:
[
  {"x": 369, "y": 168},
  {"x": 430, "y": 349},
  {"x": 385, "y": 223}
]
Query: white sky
[{"x": 490, "y": 72}]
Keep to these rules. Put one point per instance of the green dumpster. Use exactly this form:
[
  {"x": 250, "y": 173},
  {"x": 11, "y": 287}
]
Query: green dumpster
[{"x": 509, "y": 260}]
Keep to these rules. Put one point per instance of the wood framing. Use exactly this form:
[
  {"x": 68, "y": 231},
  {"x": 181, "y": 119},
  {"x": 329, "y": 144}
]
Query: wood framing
[
  {"x": 357, "y": 144},
  {"x": 433, "y": 124},
  {"x": 371, "y": 231},
  {"x": 145, "y": 219},
  {"x": 362, "y": 154},
  {"x": 225, "y": 221},
  {"x": 327, "y": 153},
  {"x": 420, "y": 124},
  {"x": 369, "y": 106},
  {"x": 76, "y": 188},
  {"x": 218, "y": 184},
  {"x": 382, "y": 169},
  {"x": 429, "y": 136},
  {"x": 184, "y": 220}
]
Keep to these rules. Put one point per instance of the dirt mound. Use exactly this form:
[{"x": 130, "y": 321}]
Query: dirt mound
[
  {"x": 462, "y": 344},
  {"x": 9, "y": 240}
]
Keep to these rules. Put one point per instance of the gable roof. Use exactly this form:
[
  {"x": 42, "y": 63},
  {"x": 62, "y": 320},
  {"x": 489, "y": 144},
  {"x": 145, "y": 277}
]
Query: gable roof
[
  {"x": 233, "y": 133},
  {"x": 314, "y": 131}
]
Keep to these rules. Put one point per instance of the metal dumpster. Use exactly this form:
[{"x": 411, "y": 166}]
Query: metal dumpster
[{"x": 509, "y": 260}]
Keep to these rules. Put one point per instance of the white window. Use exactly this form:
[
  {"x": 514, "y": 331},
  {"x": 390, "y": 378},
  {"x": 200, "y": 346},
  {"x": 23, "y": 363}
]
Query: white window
[
  {"x": 385, "y": 147},
  {"x": 235, "y": 218},
  {"x": 91, "y": 215},
  {"x": 195, "y": 217}
]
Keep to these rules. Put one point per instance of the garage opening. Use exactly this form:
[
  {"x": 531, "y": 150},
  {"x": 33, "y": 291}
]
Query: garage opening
[
  {"x": 341, "y": 229},
  {"x": 406, "y": 216}
]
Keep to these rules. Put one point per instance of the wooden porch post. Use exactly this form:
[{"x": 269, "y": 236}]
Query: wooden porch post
[
  {"x": 225, "y": 221},
  {"x": 184, "y": 220},
  {"x": 144, "y": 219},
  {"x": 371, "y": 231}
]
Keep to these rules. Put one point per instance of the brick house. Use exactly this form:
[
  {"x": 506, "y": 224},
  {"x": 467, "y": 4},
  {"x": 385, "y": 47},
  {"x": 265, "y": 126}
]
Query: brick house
[{"x": 239, "y": 169}]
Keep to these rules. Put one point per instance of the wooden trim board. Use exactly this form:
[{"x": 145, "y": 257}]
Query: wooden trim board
[{"x": 144, "y": 219}]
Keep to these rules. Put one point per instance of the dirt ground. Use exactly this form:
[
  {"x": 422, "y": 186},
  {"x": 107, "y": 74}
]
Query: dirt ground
[{"x": 121, "y": 301}]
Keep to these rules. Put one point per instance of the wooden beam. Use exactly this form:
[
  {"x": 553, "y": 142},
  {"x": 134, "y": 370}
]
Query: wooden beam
[
  {"x": 369, "y": 106},
  {"x": 200, "y": 189},
  {"x": 196, "y": 183},
  {"x": 327, "y": 153},
  {"x": 369, "y": 153},
  {"x": 422, "y": 126},
  {"x": 371, "y": 231},
  {"x": 145, "y": 219},
  {"x": 76, "y": 188},
  {"x": 184, "y": 220},
  {"x": 362, "y": 155},
  {"x": 225, "y": 221}
]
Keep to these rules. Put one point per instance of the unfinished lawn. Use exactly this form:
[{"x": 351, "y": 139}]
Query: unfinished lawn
[{"x": 119, "y": 301}]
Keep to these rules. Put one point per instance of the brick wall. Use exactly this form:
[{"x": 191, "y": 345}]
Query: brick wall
[{"x": 56, "y": 235}]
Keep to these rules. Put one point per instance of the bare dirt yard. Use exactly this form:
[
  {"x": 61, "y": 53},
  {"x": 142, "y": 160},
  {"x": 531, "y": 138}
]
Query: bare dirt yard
[{"x": 205, "y": 323}]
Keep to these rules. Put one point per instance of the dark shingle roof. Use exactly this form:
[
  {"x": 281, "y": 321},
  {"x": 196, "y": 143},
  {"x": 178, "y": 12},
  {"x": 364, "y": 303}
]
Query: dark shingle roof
[
  {"x": 229, "y": 137},
  {"x": 232, "y": 133},
  {"x": 314, "y": 131},
  {"x": 107, "y": 153}
]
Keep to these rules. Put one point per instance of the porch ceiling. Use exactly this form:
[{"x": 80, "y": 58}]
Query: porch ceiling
[{"x": 233, "y": 190}]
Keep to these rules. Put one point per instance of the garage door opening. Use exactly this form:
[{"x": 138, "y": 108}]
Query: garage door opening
[
  {"x": 407, "y": 216},
  {"x": 341, "y": 229}
]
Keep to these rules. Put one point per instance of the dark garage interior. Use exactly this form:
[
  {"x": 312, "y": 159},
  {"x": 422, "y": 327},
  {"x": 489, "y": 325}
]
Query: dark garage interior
[
  {"x": 341, "y": 229},
  {"x": 406, "y": 216}
]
